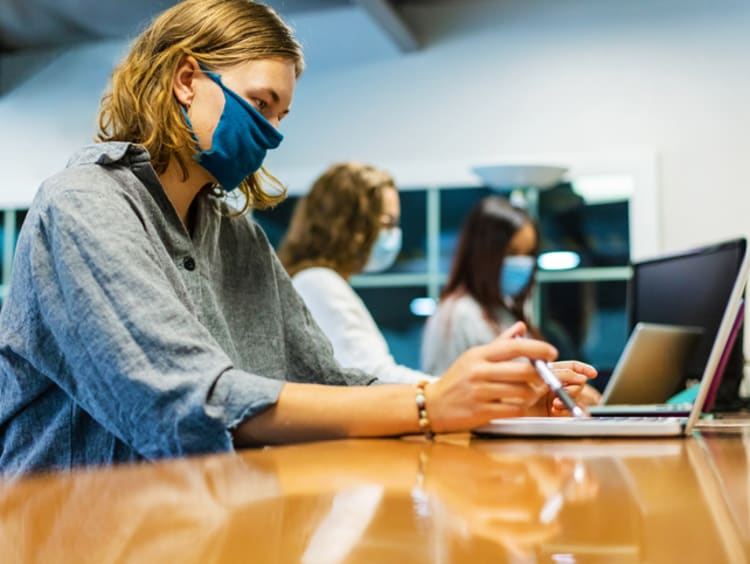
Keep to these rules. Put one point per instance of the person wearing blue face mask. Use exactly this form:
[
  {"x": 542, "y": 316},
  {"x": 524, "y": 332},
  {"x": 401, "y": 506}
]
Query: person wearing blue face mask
[
  {"x": 489, "y": 285},
  {"x": 148, "y": 318},
  {"x": 240, "y": 140},
  {"x": 516, "y": 273},
  {"x": 346, "y": 224}
]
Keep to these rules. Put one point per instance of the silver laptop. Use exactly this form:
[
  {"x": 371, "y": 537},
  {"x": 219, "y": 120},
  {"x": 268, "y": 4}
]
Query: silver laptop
[
  {"x": 629, "y": 426},
  {"x": 650, "y": 371}
]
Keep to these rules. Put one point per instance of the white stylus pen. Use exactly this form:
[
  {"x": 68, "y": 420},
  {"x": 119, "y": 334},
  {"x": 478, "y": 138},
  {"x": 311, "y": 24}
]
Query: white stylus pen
[
  {"x": 549, "y": 377},
  {"x": 552, "y": 381}
]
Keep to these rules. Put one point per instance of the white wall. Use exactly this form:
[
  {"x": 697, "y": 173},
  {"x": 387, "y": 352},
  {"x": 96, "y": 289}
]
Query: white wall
[
  {"x": 47, "y": 117},
  {"x": 572, "y": 76},
  {"x": 494, "y": 79}
]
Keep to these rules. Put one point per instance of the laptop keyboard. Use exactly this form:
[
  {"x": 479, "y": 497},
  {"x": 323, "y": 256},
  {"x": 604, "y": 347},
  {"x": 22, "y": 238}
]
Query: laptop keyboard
[{"x": 624, "y": 419}]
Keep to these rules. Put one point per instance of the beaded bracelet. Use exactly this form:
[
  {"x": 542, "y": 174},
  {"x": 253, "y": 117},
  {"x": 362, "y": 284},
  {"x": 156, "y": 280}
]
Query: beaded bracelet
[{"x": 424, "y": 420}]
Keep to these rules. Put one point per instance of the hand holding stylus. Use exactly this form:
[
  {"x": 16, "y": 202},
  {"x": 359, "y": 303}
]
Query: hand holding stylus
[
  {"x": 487, "y": 382},
  {"x": 557, "y": 387},
  {"x": 574, "y": 376},
  {"x": 548, "y": 375}
]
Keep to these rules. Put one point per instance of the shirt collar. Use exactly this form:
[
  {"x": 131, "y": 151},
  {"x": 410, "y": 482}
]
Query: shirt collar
[{"x": 110, "y": 153}]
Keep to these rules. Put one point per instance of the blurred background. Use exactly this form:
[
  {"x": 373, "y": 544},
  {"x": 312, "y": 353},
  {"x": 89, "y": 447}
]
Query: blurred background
[{"x": 642, "y": 104}]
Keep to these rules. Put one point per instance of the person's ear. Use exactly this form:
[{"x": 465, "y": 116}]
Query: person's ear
[{"x": 183, "y": 82}]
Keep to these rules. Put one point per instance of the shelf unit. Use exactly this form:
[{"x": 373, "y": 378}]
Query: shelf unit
[
  {"x": 428, "y": 208},
  {"x": 433, "y": 279},
  {"x": 405, "y": 341}
]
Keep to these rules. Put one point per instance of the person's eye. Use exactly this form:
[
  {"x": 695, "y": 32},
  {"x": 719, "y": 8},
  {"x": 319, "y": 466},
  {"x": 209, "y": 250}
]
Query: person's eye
[{"x": 259, "y": 104}]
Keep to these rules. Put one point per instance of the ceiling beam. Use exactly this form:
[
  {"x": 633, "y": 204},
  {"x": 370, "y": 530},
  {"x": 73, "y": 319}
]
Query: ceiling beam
[
  {"x": 18, "y": 66},
  {"x": 389, "y": 20}
]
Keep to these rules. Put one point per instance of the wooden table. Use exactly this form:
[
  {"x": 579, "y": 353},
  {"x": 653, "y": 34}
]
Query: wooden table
[{"x": 454, "y": 500}]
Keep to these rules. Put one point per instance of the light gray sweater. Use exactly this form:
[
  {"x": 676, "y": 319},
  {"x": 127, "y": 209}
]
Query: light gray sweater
[{"x": 457, "y": 325}]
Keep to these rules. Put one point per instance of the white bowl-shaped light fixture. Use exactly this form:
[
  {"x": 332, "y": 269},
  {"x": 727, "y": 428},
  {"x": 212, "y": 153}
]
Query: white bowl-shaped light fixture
[{"x": 510, "y": 176}]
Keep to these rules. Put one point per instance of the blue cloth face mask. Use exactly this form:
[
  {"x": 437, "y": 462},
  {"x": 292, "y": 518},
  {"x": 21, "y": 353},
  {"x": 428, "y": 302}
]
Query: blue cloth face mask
[
  {"x": 240, "y": 140},
  {"x": 515, "y": 274},
  {"x": 385, "y": 250}
]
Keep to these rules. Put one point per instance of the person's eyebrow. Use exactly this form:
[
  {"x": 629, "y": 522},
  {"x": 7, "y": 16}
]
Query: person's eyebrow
[{"x": 270, "y": 91}]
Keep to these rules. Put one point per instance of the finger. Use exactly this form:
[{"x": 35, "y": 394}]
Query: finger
[
  {"x": 517, "y": 329},
  {"x": 558, "y": 405},
  {"x": 558, "y": 409},
  {"x": 501, "y": 410},
  {"x": 508, "y": 393},
  {"x": 507, "y": 349},
  {"x": 576, "y": 366},
  {"x": 514, "y": 371},
  {"x": 567, "y": 376},
  {"x": 590, "y": 395},
  {"x": 574, "y": 390},
  {"x": 557, "y": 412}
]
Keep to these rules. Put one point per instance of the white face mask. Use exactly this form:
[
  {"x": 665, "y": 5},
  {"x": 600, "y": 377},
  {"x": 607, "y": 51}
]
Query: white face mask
[{"x": 385, "y": 250}]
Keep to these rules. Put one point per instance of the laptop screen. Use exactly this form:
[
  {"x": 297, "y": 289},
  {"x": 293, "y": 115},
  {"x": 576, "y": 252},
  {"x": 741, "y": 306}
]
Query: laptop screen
[{"x": 692, "y": 288}]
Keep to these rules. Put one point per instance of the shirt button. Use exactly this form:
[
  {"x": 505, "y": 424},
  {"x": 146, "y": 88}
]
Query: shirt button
[{"x": 188, "y": 263}]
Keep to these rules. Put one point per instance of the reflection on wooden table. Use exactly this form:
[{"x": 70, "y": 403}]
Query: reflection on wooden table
[{"x": 455, "y": 500}]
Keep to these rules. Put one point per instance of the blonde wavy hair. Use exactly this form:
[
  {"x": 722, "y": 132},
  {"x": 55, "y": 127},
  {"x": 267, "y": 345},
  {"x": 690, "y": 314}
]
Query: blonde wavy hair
[
  {"x": 140, "y": 106},
  {"x": 337, "y": 222}
]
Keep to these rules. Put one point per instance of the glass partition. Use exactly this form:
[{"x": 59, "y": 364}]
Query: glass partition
[
  {"x": 391, "y": 309},
  {"x": 586, "y": 321}
]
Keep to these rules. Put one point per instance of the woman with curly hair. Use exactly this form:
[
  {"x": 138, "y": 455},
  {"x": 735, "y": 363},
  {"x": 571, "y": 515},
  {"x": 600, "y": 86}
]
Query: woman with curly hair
[{"x": 346, "y": 224}]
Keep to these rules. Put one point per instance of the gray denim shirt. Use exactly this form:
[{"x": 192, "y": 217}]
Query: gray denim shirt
[{"x": 125, "y": 337}]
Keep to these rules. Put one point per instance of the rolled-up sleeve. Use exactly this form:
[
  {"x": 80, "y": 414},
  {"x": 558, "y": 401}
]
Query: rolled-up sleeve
[{"x": 132, "y": 350}]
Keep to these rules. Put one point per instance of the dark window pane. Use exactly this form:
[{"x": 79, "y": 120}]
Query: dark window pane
[
  {"x": 455, "y": 205},
  {"x": 276, "y": 220},
  {"x": 586, "y": 321},
  {"x": 598, "y": 232},
  {"x": 413, "y": 223},
  {"x": 401, "y": 329},
  {"x": 413, "y": 255},
  {"x": 20, "y": 218}
]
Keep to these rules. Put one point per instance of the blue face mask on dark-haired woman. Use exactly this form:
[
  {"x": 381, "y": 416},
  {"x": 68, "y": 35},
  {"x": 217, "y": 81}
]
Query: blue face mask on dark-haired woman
[{"x": 515, "y": 275}]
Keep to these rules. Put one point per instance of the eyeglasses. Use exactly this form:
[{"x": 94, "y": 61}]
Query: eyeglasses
[{"x": 389, "y": 222}]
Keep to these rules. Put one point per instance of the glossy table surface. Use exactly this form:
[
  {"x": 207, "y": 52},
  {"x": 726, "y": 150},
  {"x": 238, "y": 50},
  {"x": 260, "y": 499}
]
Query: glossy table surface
[{"x": 403, "y": 500}]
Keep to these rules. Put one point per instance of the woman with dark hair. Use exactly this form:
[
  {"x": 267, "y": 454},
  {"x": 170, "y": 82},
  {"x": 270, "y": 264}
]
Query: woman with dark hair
[{"x": 489, "y": 285}]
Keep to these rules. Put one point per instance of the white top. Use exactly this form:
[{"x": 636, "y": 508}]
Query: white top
[
  {"x": 457, "y": 325},
  {"x": 344, "y": 318}
]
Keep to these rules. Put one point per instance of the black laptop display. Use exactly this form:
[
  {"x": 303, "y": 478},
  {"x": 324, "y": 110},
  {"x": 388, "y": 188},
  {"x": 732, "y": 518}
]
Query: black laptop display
[{"x": 692, "y": 288}]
